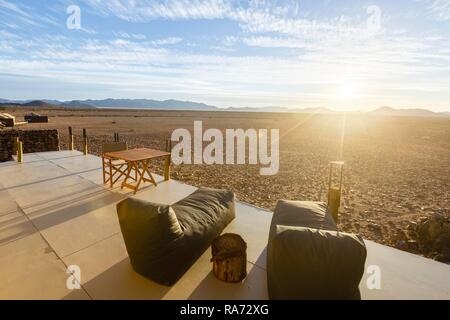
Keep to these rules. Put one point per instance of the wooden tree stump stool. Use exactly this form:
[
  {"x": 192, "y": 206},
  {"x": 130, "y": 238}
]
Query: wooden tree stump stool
[{"x": 229, "y": 257}]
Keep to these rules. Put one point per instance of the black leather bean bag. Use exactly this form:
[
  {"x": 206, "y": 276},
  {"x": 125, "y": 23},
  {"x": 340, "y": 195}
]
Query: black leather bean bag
[
  {"x": 164, "y": 241},
  {"x": 308, "y": 258}
]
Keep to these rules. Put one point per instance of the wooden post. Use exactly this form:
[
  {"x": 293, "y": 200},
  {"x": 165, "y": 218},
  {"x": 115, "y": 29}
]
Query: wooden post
[
  {"x": 229, "y": 257},
  {"x": 168, "y": 145},
  {"x": 85, "y": 142},
  {"x": 16, "y": 146},
  {"x": 334, "y": 202},
  {"x": 167, "y": 162},
  {"x": 335, "y": 191},
  {"x": 20, "y": 152},
  {"x": 70, "y": 139}
]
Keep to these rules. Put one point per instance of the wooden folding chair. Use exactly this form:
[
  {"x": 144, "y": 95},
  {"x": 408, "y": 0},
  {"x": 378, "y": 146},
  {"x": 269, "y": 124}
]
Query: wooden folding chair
[{"x": 114, "y": 169}]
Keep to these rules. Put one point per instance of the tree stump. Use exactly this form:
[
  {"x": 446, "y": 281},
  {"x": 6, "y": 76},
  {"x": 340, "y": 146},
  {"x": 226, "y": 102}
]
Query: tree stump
[{"x": 229, "y": 257}]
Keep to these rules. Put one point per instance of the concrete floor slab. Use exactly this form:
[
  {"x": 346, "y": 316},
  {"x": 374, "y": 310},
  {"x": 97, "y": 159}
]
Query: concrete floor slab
[
  {"x": 79, "y": 163},
  {"x": 81, "y": 231},
  {"x": 29, "y": 158},
  {"x": 52, "y": 207},
  {"x": 30, "y": 270},
  {"x": 72, "y": 225},
  {"x": 405, "y": 276},
  {"x": 23, "y": 174},
  {"x": 8, "y": 204},
  {"x": 95, "y": 176},
  {"x": 253, "y": 225},
  {"x": 107, "y": 274},
  {"x": 14, "y": 226},
  {"x": 53, "y": 155},
  {"x": 39, "y": 196}
]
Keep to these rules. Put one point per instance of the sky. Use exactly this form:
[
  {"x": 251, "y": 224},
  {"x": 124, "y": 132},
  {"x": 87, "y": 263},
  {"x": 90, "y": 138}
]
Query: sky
[{"x": 343, "y": 55}]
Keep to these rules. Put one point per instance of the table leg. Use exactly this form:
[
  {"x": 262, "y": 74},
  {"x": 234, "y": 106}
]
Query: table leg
[
  {"x": 125, "y": 182},
  {"x": 140, "y": 174},
  {"x": 146, "y": 169},
  {"x": 167, "y": 168}
]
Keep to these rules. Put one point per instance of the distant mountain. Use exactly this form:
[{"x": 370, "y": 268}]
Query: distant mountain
[
  {"x": 39, "y": 103},
  {"x": 315, "y": 110},
  {"x": 388, "y": 111},
  {"x": 10, "y": 104},
  {"x": 54, "y": 102},
  {"x": 263, "y": 109},
  {"x": 76, "y": 104},
  {"x": 150, "y": 104},
  {"x": 33, "y": 103},
  {"x": 44, "y": 103},
  {"x": 281, "y": 109},
  {"x": 114, "y": 103},
  {"x": 13, "y": 102}
]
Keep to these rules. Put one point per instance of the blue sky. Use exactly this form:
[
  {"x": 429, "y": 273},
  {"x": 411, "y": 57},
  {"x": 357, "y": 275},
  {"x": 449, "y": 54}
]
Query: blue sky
[{"x": 344, "y": 55}]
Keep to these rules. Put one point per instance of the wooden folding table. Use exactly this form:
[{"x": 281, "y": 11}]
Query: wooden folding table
[{"x": 139, "y": 160}]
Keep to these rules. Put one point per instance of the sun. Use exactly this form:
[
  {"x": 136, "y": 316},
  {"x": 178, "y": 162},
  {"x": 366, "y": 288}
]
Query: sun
[{"x": 347, "y": 90}]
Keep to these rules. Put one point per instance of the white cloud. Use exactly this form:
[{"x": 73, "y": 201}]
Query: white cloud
[
  {"x": 441, "y": 9},
  {"x": 254, "y": 16},
  {"x": 21, "y": 13},
  {"x": 145, "y": 10},
  {"x": 136, "y": 36},
  {"x": 167, "y": 41},
  {"x": 7, "y": 35},
  {"x": 14, "y": 8},
  {"x": 401, "y": 65}
]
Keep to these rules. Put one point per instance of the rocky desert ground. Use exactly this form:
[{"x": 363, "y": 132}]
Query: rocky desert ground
[{"x": 396, "y": 175}]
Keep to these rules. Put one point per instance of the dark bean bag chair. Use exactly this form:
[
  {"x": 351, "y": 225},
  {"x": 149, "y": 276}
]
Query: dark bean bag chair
[
  {"x": 308, "y": 258},
  {"x": 164, "y": 241}
]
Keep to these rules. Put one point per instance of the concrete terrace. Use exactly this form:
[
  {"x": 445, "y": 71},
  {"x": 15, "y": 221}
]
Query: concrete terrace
[{"x": 55, "y": 212}]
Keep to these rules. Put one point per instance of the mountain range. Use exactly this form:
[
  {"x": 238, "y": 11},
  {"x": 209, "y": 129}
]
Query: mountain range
[
  {"x": 114, "y": 103},
  {"x": 195, "y": 106},
  {"x": 388, "y": 111}
]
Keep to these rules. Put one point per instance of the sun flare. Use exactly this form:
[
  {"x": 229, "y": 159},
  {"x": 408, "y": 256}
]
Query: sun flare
[{"x": 347, "y": 90}]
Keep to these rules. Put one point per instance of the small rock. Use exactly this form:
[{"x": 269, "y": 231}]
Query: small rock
[
  {"x": 374, "y": 227},
  {"x": 413, "y": 246},
  {"x": 441, "y": 258},
  {"x": 401, "y": 245},
  {"x": 412, "y": 225}
]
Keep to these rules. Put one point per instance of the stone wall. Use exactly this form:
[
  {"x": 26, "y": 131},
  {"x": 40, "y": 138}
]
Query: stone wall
[{"x": 33, "y": 141}]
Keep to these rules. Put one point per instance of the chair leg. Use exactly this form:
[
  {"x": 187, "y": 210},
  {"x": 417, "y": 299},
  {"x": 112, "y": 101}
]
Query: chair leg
[
  {"x": 103, "y": 171},
  {"x": 120, "y": 172},
  {"x": 111, "y": 173}
]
